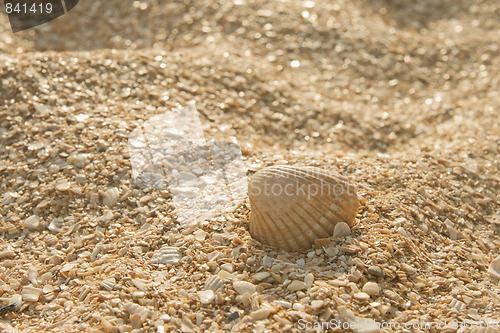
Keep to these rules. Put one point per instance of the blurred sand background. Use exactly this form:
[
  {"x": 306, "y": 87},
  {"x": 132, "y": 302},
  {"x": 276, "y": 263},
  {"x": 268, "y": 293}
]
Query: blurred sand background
[{"x": 400, "y": 96}]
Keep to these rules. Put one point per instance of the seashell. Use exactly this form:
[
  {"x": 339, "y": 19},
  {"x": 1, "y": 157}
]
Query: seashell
[
  {"x": 166, "y": 255},
  {"x": 32, "y": 274},
  {"x": 243, "y": 287},
  {"x": 214, "y": 283},
  {"x": 111, "y": 196},
  {"x": 31, "y": 294},
  {"x": 292, "y": 206},
  {"x": 32, "y": 222},
  {"x": 494, "y": 269},
  {"x": 136, "y": 309},
  {"x": 10, "y": 197},
  {"x": 56, "y": 224},
  {"x": 108, "y": 284},
  {"x": 206, "y": 296}
]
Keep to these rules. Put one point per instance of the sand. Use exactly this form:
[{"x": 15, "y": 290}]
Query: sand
[{"x": 401, "y": 97}]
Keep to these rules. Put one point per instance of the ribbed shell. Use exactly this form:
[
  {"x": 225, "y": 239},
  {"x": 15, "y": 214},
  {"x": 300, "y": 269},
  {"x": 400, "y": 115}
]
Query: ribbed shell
[{"x": 293, "y": 206}]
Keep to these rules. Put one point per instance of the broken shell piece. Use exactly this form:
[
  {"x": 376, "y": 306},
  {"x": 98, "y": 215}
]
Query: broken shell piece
[
  {"x": 214, "y": 283},
  {"x": 243, "y": 287},
  {"x": 291, "y": 206},
  {"x": 31, "y": 294},
  {"x": 342, "y": 229},
  {"x": 206, "y": 296},
  {"x": 108, "y": 284},
  {"x": 494, "y": 269},
  {"x": 111, "y": 196},
  {"x": 32, "y": 222},
  {"x": 166, "y": 255},
  {"x": 138, "y": 314}
]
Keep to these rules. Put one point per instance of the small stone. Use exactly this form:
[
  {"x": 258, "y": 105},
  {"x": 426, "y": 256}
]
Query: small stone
[
  {"x": 200, "y": 235},
  {"x": 361, "y": 296},
  {"x": 376, "y": 271},
  {"x": 342, "y": 229},
  {"x": 402, "y": 232},
  {"x": 63, "y": 185},
  {"x": 7, "y": 254},
  {"x": 206, "y": 296},
  {"x": 261, "y": 276},
  {"x": 267, "y": 261},
  {"x": 260, "y": 314},
  {"x": 298, "y": 307},
  {"x": 301, "y": 262},
  {"x": 136, "y": 320},
  {"x": 32, "y": 222},
  {"x": 228, "y": 267},
  {"x": 233, "y": 316},
  {"x": 309, "y": 280},
  {"x": 243, "y": 287},
  {"x": 296, "y": 285},
  {"x": 316, "y": 304},
  {"x": 284, "y": 304},
  {"x": 494, "y": 269},
  {"x": 453, "y": 233},
  {"x": 371, "y": 288}
]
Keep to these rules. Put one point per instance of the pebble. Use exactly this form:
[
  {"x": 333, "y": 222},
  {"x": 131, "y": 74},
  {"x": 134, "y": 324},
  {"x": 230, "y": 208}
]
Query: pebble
[
  {"x": 260, "y": 314},
  {"x": 371, "y": 288},
  {"x": 63, "y": 185},
  {"x": 309, "y": 280},
  {"x": 32, "y": 222},
  {"x": 8, "y": 253},
  {"x": 228, "y": 267},
  {"x": 298, "y": 307},
  {"x": 296, "y": 285},
  {"x": 361, "y": 296},
  {"x": 284, "y": 304},
  {"x": 301, "y": 262},
  {"x": 206, "y": 296},
  {"x": 200, "y": 235},
  {"x": 267, "y": 261},
  {"x": 243, "y": 287},
  {"x": 261, "y": 276},
  {"x": 376, "y": 271},
  {"x": 342, "y": 229},
  {"x": 316, "y": 304},
  {"x": 494, "y": 269}
]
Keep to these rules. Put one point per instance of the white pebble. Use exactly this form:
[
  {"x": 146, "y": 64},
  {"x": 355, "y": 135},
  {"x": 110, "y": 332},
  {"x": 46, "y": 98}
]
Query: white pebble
[
  {"x": 316, "y": 304},
  {"x": 309, "y": 280},
  {"x": 296, "y": 285},
  {"x": 260, "y": 314},
  {"x": 261, "y": 276},
  {"x": 206, "y": 296},
  {"x": 243, "y": 287},
  {"x": 32, "y": 222},
  {"x": 371, "y": 288}
]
